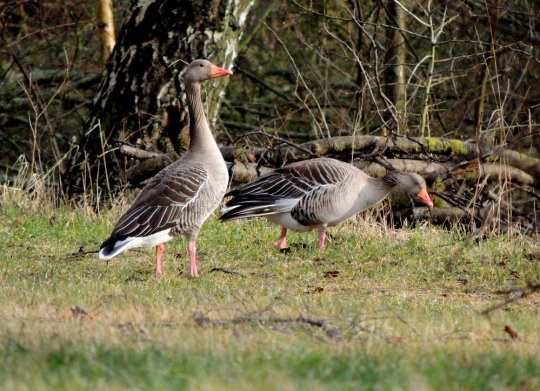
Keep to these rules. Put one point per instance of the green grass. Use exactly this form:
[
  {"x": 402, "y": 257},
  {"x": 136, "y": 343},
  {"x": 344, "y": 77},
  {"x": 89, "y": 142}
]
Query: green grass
[{"x": 405, "y": 305}]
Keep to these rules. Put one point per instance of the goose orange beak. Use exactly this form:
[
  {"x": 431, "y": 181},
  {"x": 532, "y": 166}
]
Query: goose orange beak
[
  {"x": 424, "y": 197},
  {"x": 216, "y": 71}
]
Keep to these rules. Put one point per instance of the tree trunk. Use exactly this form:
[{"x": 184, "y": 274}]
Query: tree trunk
[
  {"x": 105, "y": 23},
  {"x": 396, "y": 55},
  {"x": 140, "y": 99}
]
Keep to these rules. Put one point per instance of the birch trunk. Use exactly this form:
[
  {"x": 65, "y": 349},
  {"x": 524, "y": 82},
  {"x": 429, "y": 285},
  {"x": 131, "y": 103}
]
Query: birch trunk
[{"x": 105, "y": 23}]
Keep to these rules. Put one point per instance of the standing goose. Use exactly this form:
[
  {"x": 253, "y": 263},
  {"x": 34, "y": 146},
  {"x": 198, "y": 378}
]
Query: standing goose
[
  {"x": 317, "y": 193},
  {"x": 180, "y": 197}
]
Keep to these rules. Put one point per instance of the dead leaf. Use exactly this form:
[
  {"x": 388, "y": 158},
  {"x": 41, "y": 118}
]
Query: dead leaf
[{"x": 508, "y": 330}]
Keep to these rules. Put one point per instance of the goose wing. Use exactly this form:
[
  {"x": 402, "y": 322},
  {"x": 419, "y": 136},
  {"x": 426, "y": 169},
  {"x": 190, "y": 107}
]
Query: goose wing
[
  {"x": 281, "y": 190},
  {"x": 162, "y": 202}
]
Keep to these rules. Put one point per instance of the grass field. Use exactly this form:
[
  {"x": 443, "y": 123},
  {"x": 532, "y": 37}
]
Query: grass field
[{"x": 398, "y": 309}]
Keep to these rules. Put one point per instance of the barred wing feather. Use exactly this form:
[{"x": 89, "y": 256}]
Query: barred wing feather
[
  {"x": 281, "y": 190},
  {"x": 161, "y": 204}
]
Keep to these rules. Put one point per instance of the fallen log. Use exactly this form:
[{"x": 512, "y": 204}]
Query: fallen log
[
  {"x": 141, "y": 154},
  {"x": 248, "y": 172},
  {"x": 492, "y": 171},
  {"x": 346, "y": 145},
  {"x": 149, "y": 167},
  {"x": 523, "y": 162},
  {"x": 244, "y": 169}
]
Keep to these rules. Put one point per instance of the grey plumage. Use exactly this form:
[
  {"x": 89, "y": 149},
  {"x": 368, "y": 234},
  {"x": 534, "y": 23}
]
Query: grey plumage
[
  {"x": 316, "y": 194},
  {"x": 180, "y": 197},
  {"x": 175, "y": 198}
]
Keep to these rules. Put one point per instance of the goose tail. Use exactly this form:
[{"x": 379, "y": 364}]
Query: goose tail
[
  {"x": 112, "y": 247},
  {"x": 255, "y": 207}
]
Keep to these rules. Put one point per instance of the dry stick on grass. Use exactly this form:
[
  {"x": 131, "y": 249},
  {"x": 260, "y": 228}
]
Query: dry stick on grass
[
  {"x": 331, "y": 332},
  {"x": 226, "y": 271},
  {"x": 519, "y": 293},
  {"x": 81, "y": 252}
]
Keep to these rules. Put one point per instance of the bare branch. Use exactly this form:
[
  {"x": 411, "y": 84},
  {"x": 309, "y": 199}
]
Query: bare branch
[
  {"x": 516, "y": 294},
  {"x": 331, "y": 332}
]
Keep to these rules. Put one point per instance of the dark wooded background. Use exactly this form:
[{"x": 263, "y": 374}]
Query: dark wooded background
[{"x": 304, "y": 71}]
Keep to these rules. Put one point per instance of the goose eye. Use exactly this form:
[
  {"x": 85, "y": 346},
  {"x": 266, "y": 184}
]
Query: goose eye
[{"x": 201, "y": 65}]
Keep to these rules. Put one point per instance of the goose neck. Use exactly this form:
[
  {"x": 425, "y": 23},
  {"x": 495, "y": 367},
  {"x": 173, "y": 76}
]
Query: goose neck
[{"x": 201, "y": 138}]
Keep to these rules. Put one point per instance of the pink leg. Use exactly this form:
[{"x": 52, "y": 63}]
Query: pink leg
[
  {"x": 192, "y": 251},
  {"x": 159, "y": 250},
  {"x": 322, "y": 237},
  {"x": 282, "y": 242}
]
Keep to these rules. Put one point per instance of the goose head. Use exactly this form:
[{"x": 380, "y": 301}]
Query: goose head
[
  {"x": 201, "y": 70},
  {"x": 409, "y": 183}
]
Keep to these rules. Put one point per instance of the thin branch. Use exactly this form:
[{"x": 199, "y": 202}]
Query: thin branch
[
  {"x": 311, "y": 11},
  {"x": 331, "y": 332},
  {"x": 276, "y": 138},
  {"x": 412, "y": 15},
  {"x": 226, "y": 271},
  {"x": 130, "y": 151},
  {"x": 301, "y": 78},
  {"x": 264, "y": 84},
  {"x": 518, "y": 293}
]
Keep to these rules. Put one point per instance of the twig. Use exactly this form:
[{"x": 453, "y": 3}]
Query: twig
[
  {"x": 264, "y": 84},
  {"x": 277, "y": 138},
  {"x": 519, "y": 293},
  {"x": 226, "y": 271},
  {"x": 383, "y": 162},
  {"x": 128, "y": 150},
  {"x": 323, "y": 14},
  {"x": 81, "y": 253},
  {"x": 331, "y": 332},
  {"x": 453, "y": 202},
  {"x": 300, "y": 77}
]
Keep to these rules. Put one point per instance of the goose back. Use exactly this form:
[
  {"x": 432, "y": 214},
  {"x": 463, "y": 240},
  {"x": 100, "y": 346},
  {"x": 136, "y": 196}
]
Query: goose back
[{"x": 310, "y": 193}]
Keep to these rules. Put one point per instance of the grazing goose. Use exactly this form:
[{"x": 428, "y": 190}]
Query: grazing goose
[
  {"x": 317, "y": 193},
  {"x": 180, "y": 197}
]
